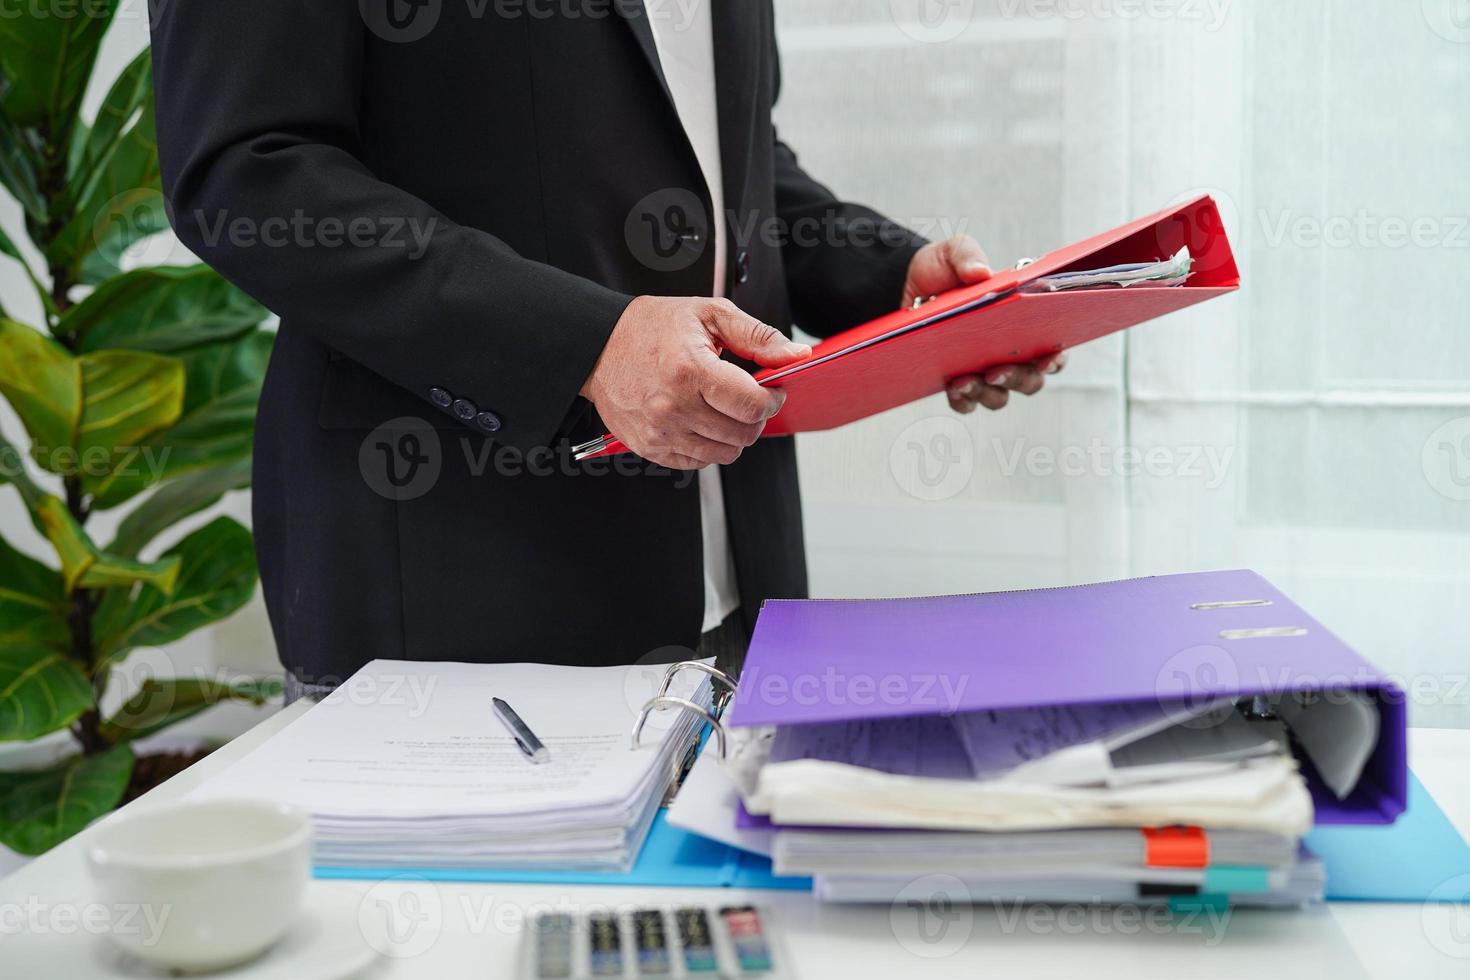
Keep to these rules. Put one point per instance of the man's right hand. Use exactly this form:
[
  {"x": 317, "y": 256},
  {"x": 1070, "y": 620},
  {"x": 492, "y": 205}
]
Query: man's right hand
[{"x": 662, "y": 389}]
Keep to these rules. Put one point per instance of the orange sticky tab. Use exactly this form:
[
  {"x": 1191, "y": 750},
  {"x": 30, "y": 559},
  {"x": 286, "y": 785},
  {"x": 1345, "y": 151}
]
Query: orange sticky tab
[{"x": 1175, "y": 847}]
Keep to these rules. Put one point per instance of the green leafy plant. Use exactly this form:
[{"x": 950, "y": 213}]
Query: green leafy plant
[{"x": 138, "y": 389}]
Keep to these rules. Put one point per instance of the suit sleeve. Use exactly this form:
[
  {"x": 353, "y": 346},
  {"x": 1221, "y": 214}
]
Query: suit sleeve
[
  {"x": 257, "y": 106},
  {"x": 845, "y": 263}
]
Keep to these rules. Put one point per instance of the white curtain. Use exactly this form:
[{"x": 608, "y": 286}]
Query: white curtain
[{"x": 1314, "y": 427}]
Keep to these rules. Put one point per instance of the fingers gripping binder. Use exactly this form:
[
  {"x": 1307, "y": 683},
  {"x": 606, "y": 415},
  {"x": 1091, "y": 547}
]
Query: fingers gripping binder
[{"x": 910, "y": 354}]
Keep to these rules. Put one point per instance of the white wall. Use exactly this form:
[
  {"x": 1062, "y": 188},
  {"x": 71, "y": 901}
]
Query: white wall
[{"x": 1333, "y": 391}]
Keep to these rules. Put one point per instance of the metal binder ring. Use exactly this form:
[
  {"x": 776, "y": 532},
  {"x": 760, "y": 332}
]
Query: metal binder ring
[
  {"x": 688, "y": 705},
  {"x": 715, "y": 672}
]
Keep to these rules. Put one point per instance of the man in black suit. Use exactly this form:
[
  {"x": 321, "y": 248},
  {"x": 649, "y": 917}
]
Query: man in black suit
[{"x": 493, "y": 229}]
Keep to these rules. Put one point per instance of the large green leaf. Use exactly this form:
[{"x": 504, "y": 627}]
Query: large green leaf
[
  {"x": 85, "y": 566},
  {"x": 221, "y": 389},
  {"x": 162, "y": 703},
  {"x": 128, "y": 219},
  {"x": 18, "y": 170},
  {"x": 123, "y": 206},
  {"x": 163, "y": 308},
  {"x": 13, "y": 471},
  {"x": 87, "y": 415},
  {"x": 42, "y": 381},
  {"x": 8, "y": 247},
  {"x": 218, "y": 577},
  {"x": 175, "y": 500},
  {"x": 41, "y": 690},
  {"x": 94, "y": 148},
  {"x": 40, "y": 808},
  {"x": 33, "y": 602},
  {"x": 46, "y": 54}
]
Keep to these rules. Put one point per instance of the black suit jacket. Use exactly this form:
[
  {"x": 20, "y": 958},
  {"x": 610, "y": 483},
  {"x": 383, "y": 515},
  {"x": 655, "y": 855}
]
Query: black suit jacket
[{"x": 449, "y": 203}]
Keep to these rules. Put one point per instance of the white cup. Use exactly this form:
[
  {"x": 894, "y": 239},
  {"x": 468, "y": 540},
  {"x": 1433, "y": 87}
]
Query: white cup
[{"x": 220, "y": 880}]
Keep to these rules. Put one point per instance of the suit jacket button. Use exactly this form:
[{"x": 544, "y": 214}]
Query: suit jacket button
[
  {"x": 742, "y": 266},
  {"x": 464, "y": 409},
  {"x": 488, "y": 421},
  {"x": 441, "y": 397}
]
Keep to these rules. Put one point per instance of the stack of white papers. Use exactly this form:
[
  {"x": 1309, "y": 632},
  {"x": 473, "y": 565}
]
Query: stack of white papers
[
  {"x": 407, "y": 765},
  {"x": 1095, "y": 854},
  {"x": 1143, "y": 764},
  {"x": 1046, "y": 804},
  {"x": 1172, "y": 271},
  {"x": 1295, "y": 883}
]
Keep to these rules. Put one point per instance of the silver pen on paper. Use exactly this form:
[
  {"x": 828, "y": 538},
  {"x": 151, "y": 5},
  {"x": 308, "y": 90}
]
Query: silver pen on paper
[{"x": 526, "y": 739}]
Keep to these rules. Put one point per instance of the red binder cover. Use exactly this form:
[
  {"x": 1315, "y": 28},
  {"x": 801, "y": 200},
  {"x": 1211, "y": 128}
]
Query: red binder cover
[{"x": 909, "y": 354}]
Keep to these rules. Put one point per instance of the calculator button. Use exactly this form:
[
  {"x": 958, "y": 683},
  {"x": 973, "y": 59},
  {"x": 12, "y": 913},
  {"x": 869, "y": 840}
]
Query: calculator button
[
  {"x": 697, "y": 940},
  {"x": 748, "y": 937},
  {"x": 653, "y": 942},
  {"x": 607, "y": 946}
]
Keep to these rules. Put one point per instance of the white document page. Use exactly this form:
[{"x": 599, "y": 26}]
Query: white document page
[{"x": 406, "y": 739}]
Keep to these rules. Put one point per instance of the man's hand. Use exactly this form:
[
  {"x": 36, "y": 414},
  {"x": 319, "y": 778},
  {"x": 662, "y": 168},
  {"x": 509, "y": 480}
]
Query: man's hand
[
  {"x": 960, "y": 261},
  {"x": 662, "y": 389}
]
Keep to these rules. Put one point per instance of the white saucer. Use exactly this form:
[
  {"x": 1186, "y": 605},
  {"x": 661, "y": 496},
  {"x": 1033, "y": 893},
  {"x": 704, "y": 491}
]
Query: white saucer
[{"x": 326, "y": 944}]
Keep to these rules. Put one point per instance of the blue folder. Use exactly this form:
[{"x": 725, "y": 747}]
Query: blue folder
[
  {"x": 670, "y": 858},
  {"x": 1414, "y": 859}
]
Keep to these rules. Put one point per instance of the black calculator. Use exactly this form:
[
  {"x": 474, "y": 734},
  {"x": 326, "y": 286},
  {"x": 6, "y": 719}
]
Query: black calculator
[{"x": 667, "y": 942}]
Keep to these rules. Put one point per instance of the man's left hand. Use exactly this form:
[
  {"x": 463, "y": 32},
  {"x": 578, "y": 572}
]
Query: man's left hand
[{"x": 960, "y": 261}]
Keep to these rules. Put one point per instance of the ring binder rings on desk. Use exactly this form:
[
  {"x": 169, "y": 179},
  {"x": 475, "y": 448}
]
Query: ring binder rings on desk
[{"x": 711, "y": 715}]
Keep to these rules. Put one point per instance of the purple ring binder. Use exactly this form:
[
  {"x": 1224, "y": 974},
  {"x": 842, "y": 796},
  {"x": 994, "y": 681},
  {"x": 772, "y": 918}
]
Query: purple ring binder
[{"x": 1201, "y": 635}]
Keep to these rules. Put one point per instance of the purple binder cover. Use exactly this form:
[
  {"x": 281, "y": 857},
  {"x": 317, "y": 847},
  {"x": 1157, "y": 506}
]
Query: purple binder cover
[{"x": 1165, "y": 637}]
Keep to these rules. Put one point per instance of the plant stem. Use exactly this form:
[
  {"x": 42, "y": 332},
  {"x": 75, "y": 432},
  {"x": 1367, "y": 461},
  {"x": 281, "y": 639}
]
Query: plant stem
[{"x": 88, "y": 727}]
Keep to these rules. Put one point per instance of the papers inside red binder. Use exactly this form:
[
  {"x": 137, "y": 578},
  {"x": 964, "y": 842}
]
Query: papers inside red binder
[{"x": 910, "y": 354}]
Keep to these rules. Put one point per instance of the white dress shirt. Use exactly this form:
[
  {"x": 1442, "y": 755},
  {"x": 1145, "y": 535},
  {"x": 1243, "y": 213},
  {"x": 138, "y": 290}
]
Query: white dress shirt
[{"x": 687, "y": 54}]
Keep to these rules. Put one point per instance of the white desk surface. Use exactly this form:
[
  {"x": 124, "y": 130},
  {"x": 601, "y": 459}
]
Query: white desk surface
[{"x": 472, "y": 930}]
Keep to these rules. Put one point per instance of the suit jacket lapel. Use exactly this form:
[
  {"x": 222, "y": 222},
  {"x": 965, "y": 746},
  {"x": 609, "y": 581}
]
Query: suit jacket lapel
[
  {"x": 636, "y": 15},
  {"x": 738, "y": 27}
]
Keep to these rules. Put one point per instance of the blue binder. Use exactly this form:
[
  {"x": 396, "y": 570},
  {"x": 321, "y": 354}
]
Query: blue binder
[
  {"x": 1414, "y": 859},
  {"x": 1410, "y": 860},
  {"x": 671, "y": 858}
]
